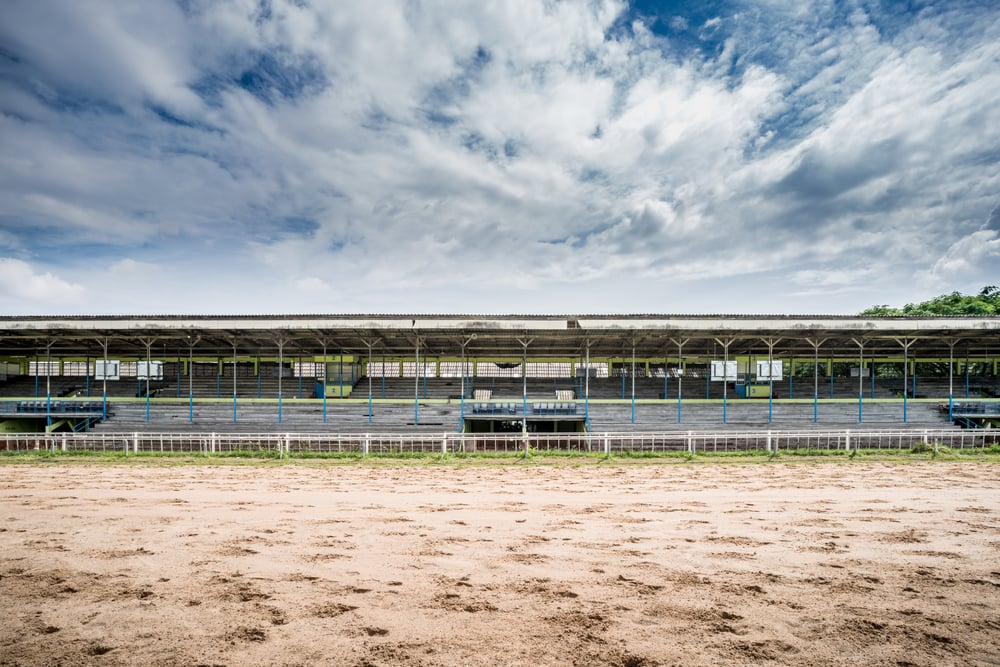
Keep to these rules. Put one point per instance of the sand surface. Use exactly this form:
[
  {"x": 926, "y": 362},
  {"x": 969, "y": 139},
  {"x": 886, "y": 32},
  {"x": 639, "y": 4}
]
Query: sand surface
[{"x": 679, "y": 564}]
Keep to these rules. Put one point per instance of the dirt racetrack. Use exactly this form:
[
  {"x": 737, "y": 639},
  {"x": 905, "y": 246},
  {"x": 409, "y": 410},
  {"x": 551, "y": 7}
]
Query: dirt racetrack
[{"x": 501, "y": 563}]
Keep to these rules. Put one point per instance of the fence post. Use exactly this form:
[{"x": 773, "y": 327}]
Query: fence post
[
  {"x": 64, "y": 443},
  {"x": 211, "y": 443},
  {"x": 607, "y": 446},
  {"x": 847, "y": 441},
  {"x": 769, "y": 441},
  {"x": 690, "y": 443},
  {"x": 364, "y": 446},
  {"x": 444, "y": 444},
  {"x": 935, "y": 442},
  {"x": 288, "y": 444}
]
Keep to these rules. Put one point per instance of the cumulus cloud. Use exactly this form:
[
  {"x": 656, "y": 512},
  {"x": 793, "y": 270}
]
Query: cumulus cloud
[
  {"x": 21, "y": 282},
  {"x": 494, "y": 157}
]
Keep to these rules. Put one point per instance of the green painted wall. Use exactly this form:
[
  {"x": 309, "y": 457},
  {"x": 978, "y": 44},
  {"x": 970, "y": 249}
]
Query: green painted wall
[{"x": 21, "y": 426}]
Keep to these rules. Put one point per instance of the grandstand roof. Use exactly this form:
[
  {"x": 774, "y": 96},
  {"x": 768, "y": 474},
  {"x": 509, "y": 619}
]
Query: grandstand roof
[{"x": 499, "y": 335}]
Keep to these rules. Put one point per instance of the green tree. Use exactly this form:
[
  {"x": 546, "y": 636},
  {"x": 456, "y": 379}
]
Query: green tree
[{"x": 987, "y": 302}]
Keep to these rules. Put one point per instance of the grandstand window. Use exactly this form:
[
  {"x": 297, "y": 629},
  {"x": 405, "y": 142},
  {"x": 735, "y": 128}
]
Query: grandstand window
[
  {"x": 77, "y": 368},
  {"x": 309, "y": 369},
  {"x": 383, "y": 369},
  {"x": 658, "y": 370},
  {"x": 453, "y": 369},
  {"x": 492, "y": 369},
  {"x": 625, "y": 368},
  {"x": 244, "y": 369},
  {"x": 204, "y": 369},
  {"x": 544, "y": 369},
  {"x": 128, "y": 369},
  {"x": 597, "y": 369},
  {"x": 270, "y": 370},
  {"x": 696, "y": 370},
  {"x": 426, "y": 369},
  {"x": 43, "y": 368}
]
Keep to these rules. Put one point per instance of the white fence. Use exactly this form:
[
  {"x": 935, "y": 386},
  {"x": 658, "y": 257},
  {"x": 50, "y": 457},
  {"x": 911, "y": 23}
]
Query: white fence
[{"x": 692, "y": 442}]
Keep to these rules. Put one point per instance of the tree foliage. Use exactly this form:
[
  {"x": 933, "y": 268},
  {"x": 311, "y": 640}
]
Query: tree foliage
[{"x": 987, "y": 302}]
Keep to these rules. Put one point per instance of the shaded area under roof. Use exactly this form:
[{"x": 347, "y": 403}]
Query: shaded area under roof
[{"x": 653, "y": 336}]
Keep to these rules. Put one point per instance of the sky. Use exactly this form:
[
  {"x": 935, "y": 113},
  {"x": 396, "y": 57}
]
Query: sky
[{"x": 494, "y": 157}]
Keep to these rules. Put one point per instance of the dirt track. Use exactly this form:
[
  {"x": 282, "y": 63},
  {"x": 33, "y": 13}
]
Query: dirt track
[{"x": 833, "y": 564}]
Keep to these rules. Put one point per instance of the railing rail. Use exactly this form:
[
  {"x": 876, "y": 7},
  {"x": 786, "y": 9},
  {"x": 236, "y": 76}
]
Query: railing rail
[{"x": 693, "y": 442}]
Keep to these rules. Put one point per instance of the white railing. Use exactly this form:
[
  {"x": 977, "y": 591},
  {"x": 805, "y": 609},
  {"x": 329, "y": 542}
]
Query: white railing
[{"x": 692, "y": 442}]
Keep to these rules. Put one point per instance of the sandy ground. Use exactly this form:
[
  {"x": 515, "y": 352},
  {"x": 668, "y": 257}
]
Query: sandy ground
[{"x": 832, "y": 564}]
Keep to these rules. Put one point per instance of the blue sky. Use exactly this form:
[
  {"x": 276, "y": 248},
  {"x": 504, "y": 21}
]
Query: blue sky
[{"x": 298, "y": 156}]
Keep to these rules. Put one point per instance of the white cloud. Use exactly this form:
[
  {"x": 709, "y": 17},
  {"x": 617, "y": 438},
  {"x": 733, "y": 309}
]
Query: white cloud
[
  {"x": 22, "y": 283},
  {"x": 404, "y": 149},
  {"x": 968, "y": 260}
]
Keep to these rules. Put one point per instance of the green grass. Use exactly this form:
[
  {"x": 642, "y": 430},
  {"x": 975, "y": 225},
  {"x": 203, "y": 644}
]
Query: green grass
[{"x": 920, "y": 453}]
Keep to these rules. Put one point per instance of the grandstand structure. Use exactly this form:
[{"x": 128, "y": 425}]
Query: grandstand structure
[{"x": 480, "y": 374}]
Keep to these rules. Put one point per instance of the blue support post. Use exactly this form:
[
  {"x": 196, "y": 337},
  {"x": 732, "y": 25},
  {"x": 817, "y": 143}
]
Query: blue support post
[
  {"x": 324, "y": 383},
  {"x": 951, "y": 381},
  {"x": 235, "y": 362},
  {"x": 281, "y": 375},
  {"x": 87, "y": 381},
  {"x": 258, "y": 378},
  {"x": 816, "y": 383},
  {"x": 190, "y": 383},
  {"x": 524, "y": 408},
  {"x": 416, "y": 386},
  {"x": 218, "y": 381},
  {"x": 36, "y": 377},
  {"x": 770, "y": 404},
  {"x": 461, "y": 409}
]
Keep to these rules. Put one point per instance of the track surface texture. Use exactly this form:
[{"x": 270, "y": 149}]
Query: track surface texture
[{"x": 501, "y": 563}]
